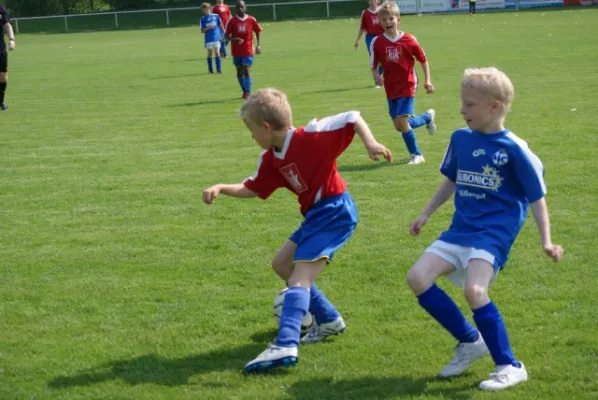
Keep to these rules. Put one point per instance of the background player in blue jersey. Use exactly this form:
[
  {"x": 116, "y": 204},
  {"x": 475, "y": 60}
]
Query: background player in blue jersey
[
  {"x": 211, "y": 26},
  {"x": 494, "y": 176}
]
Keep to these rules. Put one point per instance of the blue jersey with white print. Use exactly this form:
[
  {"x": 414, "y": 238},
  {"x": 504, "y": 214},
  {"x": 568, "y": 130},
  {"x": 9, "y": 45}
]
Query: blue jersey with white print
[
  {"x": 212, "y": 35},
  {"x": 496, "y": 177}
]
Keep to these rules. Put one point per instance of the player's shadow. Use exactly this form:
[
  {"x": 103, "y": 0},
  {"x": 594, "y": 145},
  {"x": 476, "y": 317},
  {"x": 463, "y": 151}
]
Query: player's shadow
[
  {"x": 173, "y": 76},
  {"x": 152, "y": 368},
  {"x": 338, "y": 90},
  {"x": 369, "y": 166},
  {"x": 374, "y": 388},
  {"x": 202, "y": 102}
]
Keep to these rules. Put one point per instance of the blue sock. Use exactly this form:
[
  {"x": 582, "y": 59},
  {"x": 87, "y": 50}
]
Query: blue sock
[
  {"x": 411, "y": 143},
  {"x": 294, "y": 308},
  {"x": 444, "y": 310},
  {"x": 320, "y": 307},
  {"x": 494, "y": 331},
  {"x": 248, "y": 84},
  {"x": 419, "y": 120},
  {"x": 380, "y": 69},
  {"x": 223, "y": 49},
  {"x": 210, "y": 64},
  {"x": 241, "y": 83},
  {"x": 218, "y": 64}
]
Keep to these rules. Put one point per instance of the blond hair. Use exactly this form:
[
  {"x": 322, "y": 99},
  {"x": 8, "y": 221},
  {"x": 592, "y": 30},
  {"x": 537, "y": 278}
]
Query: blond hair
[
  {"x": 492, "y": 83},
  {"x": 205, "y": 6},
  {"x": 268, "y": 105},
  {"x": 390, "y": 7}
]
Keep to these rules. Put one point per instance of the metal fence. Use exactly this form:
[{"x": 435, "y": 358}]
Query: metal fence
[{"x": 262, "y": 12}]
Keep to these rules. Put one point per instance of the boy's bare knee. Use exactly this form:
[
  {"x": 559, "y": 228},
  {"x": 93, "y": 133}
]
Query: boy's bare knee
[
  {"x": 417, "y": 281},
  {"x": 402, "y": 124},
  {"x": 476, "y": 295}
]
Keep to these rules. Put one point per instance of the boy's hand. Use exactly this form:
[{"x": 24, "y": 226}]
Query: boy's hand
[
  {"x": 239, "y": 40},
  {"x": 375, "y": 149},
  {"x": 554, "y": 251},
  {"x": 429, "y": 87},
  {"x": 416, "y": 226},
  {"x": 356, "y": 45},
  {"x": 210, "y": 194},
  {"x": 258, "y": 49}
]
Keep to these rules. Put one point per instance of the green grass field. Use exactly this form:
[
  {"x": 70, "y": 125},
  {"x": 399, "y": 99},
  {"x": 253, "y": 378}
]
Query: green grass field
[{"x": 117, "y": 282}]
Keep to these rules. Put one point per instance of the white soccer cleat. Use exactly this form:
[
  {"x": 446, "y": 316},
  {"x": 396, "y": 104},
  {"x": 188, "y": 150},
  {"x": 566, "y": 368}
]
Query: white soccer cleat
[
  {"x": 416, "y": 159},
  {"x": 465, "y": 355},
  {"x": 272, "y": 357},
  {"x": 504, "y": 377},
  {"x": 321, "y": 332},
  {"x": 377, "y": 86},
  {"x": 431, "y": 126}
]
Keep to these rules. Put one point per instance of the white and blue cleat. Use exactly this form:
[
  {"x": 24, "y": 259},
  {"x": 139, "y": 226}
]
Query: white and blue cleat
[{"x": 273, "y": 357}]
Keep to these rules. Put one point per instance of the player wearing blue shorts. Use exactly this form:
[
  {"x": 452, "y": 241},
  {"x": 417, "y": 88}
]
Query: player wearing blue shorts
[
  {"x": 370, "y": 24},
  {"x": 211, "y": 27},
  {"x": 302, "y": 160},
  {"x": 397, "y": 52},
  {"x": 494, "y": 177}
]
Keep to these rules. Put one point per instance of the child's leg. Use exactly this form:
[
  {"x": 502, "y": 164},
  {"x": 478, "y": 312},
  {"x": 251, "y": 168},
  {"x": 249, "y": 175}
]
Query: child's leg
[
  {"x": 435, "y": 301},
  {"x": 401, "y": 124},
  {"x": 485, "y": 314},
  {"x": 319, "y": 306},
  {"x": 248, "y": 79},
  {"x": 218, "y": 61},
  {"x": 240, "y": 77},
  {"x": 473, "y": 6},
  {"x": 210, "y": 68},
  {"x": 223, "y": 46}
]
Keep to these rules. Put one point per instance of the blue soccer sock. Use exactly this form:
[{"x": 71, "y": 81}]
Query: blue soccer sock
[
  {"x": 494, "y": 331},
  {"x": 411, "y": 142},
  {"x": 320, "y": 307},
  {"x": 218, "y": 64},
  {"x": 249, "y": 83},
  {"x": 419, "y": 120},
  {"x": 241, "y": 80},
  {"x": 210, "y": 64},
  {"x": 294, "y": 308},
  {"x": 380, "y": 69},
  {"x": 444, "y": 310},
  {"x": 223, "y": 49}
]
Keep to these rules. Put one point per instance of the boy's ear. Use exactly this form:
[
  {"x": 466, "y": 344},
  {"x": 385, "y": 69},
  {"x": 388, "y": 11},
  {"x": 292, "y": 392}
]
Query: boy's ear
[
  {"x": 267, "y": 126},
  {"x": 496, "y": 105}
]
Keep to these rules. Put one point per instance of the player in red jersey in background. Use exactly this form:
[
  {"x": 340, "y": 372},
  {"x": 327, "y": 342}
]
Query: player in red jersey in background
[
  {"x": 397, "y": 52},
  {"x": 223, "y": 12},
  {"x": 370, "y": 24},
  {"x": 239, "y": 31},
  {"x": 302, "y": 160}
]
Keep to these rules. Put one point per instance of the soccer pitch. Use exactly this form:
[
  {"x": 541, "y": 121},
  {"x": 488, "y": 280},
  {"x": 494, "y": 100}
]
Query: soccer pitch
[{"x": 117, "y": 282}]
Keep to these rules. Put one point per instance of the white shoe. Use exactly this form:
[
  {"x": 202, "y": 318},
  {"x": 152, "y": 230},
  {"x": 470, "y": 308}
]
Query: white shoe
[
  {"x": 465, "y": 355},
  {"x": 272, "y": 357},
  {"x": 321, "y": 332},
  {"x": 504, "y": 377},
  {"x": 416, "y": 159},
  {"x": 431, "y": 126},
  {"x": 377, "y": 86}
]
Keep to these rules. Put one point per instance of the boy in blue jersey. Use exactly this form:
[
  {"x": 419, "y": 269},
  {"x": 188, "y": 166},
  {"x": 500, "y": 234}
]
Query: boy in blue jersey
[
  {"x": 211, "y": 26},
  {"x": 494, "y": 176}
]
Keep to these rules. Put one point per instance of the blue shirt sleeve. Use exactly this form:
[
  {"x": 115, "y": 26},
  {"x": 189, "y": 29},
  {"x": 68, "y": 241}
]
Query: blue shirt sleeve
[
  {"x": 448, "y": 167},
  {"x": 202, "y": 23},
  {"x": 529, "y": 171}
]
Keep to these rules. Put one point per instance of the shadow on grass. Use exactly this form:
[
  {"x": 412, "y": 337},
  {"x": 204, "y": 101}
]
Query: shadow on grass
[
  {"x": 372, "y": 388},
  {"x": 371, "y": 166},
  {"x": 152, "y": 368},
  {"x": 339, "y": 90},
  {"x": 202, "y": 102}
]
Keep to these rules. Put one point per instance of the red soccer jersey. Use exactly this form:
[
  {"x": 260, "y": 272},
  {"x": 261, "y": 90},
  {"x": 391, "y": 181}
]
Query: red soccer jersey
[
  {"x": 242, "y": 28},
  {"x": 397, "y": 57},
  {"x": 306, "y": 164},
  {"x": 370, "y": 23},
  {"x": 223, "y": 12}
]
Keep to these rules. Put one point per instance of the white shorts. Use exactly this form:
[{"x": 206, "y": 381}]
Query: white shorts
[
  {"x": 460, "y": 256},
  {"x": 213, "y": 45}
]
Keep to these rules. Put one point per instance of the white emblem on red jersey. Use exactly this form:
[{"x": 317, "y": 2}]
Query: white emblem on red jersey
[
  {"x": 393, "y": 53},
  {"x": 291, "y": 174},
  {"x": 241, "y": 28},
  {"x": 375, "y": 20}
]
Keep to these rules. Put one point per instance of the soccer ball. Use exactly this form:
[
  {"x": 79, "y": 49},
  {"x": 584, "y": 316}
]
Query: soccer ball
[{"x": 308, "y": 321}]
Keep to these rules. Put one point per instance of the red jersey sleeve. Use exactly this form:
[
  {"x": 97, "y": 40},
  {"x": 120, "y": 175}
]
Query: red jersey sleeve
[
  {"x": 256, "y": 27},
  {"x": 228, "y": 29},
  {"x": 267, "y": 179},
  {"x": 417, "y": 51},
  {"x": 363, "y": 26},
  {"x": 333, "y": 133}
]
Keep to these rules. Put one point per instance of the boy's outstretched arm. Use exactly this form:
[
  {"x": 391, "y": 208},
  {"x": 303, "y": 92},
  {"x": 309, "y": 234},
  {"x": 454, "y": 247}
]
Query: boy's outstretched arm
[
  {"x": 427, "y": 78},
  {"x": 234, "y": 190},
  {"x": 443, "y": 193},
  {"x": 371, "y": 144},
  {"x": 540, "y": 211}
]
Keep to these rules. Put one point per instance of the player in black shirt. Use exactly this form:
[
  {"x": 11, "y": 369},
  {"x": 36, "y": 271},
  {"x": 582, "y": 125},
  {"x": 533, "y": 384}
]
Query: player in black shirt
[{"x": 5, "y": 17}]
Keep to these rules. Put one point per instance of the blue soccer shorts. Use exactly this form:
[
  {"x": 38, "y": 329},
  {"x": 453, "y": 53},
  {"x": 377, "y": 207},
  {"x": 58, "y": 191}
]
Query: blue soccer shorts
[
  {"x": 401, "y": 106},
  {"x": 328, "y": 225},
  {"x": 238, "y": 61}
]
